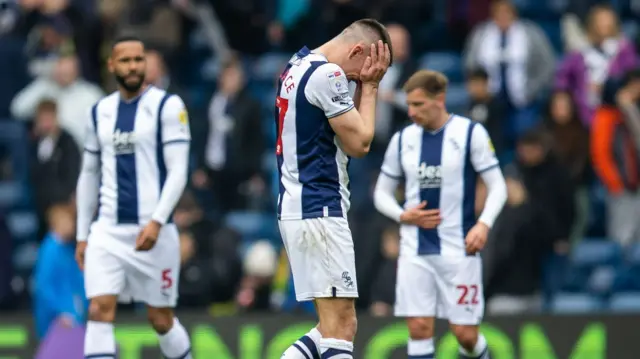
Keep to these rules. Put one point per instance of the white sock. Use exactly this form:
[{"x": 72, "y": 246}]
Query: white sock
[
  {"x": 335, "y": 349},
  {"x": 481, "y": 350},
  {"x": 175, "y": 343},
  {"x": 99, "y": 341},
  {"x": 420, "y": 349},
  {"x": 305, "y": 347}
]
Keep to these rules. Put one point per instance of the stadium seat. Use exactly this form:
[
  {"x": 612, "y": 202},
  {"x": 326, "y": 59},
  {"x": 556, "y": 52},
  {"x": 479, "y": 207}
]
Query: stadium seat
[
  {"x": 449, "y": 63},
  {"x": 25, "y": 256},
  {"x": 10, "y": 194},
  {"x": 602, "y": 280},
  {"x": 22, "y": 225},
  {"x": 574, "y": 303},
  {"x": 631, "y": 29},
  {"x": 632, "y": 255},
  {"x": 625, "y": 302},
  {"x": 268, "y": 67},
  {"x": 253, "y": 225},
  {"x": 457, "y": 98},
  {"x": 554, "y": 34},
  {"x": 589, "y": 254}
]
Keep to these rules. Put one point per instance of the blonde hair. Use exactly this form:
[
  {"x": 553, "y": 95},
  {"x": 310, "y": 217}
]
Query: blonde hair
[{"x": 433, "y": 83}]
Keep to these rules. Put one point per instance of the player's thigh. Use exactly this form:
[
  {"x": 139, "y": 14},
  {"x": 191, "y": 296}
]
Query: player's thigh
[
  {"x": 321, "y": 256},
  {"x": 104, "y": 270},
  {"x": 460, "y": 282},
  {"x": 416, "y": 291},
  {"x": 153, "y": 276}
]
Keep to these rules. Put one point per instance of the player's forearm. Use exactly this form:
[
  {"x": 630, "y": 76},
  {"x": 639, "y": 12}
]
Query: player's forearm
[
  {"x": 367, "y": 110},
  {"x": 496, "y": 196},
  {"x": 357, "y": 95},
  {"x": 384, "y": 199},
  {"x": 177, "y": 161},
  {"x": 87, "y": 191}
]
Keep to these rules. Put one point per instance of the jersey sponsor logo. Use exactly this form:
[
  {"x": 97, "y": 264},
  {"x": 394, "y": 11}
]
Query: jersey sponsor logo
[
  {"x": 183, "y": 117},
  {"x": 342, "y": 99},
  {"x": 338, "y": 83},
  {"x": 429, "y": 176},
  {"x": 346, "y": 278},
  {"x": 123, "y": 142}
]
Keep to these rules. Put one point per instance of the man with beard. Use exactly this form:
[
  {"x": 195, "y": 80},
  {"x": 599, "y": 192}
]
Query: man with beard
[{"x": 134, "y": 171}]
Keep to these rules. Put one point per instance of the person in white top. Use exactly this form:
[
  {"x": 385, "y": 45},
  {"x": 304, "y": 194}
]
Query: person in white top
[
  {"x": 319, "y": 125},
  {"x": 134, "y": 170},
  {"x": 438, "y": 159}
]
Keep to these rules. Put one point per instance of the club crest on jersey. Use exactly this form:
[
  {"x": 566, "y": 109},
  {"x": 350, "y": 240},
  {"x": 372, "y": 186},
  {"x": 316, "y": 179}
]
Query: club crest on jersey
[
  {"x": 429, "y": 176},
  {"x": 123, "y": 142},
  {"x": 338, "y": 82}
]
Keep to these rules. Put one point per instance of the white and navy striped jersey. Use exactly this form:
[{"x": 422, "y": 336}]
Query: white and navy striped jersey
[
  {"x": 440, "y": 167},
  {"x": 312, "y": 166},
  {"x": 129, "y": 137}
]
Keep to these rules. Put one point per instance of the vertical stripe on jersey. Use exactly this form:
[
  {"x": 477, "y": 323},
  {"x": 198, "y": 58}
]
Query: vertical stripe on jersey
[
  {"x": 126, "y": 166},
  {"x": 162, "y": 167},
  {"x": 280, "y": 157},
  {"x": 469, "y": 187},
  {"x": 94, "y": 119},
  {"x": 430, "y": 155},
  {"x": 316, "y": 152}
]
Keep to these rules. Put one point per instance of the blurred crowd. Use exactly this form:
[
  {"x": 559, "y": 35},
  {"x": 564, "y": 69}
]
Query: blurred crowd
[{"x": 555, "y": 82}]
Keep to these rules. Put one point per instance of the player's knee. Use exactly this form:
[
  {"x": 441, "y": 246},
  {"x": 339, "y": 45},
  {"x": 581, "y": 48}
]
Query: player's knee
[
  {"x": 467, "y": 335},
  {"x": 102, "y": 310},
  {"x": 420, "y": 328},
  {"x": 160, "y": 319}
]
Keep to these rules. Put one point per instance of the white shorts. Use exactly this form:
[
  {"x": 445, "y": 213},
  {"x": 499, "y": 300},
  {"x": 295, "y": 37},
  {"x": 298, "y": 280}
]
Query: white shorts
[
  {"x": 444, "y": 287},
  {"x": 114, "y": 267},
  {"x": 321, "y": 256}
]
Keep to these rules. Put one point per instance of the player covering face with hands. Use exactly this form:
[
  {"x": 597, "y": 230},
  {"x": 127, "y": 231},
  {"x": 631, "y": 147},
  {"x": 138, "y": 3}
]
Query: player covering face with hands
[
  {"x": 438, "y": 159},
  {"x": 319, "y": 125}
]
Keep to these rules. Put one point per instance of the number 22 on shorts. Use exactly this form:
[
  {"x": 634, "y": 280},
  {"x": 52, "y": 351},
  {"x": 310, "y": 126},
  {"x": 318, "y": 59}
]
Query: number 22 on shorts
[
  {"x": 282, "y": 105},
  {"x": 468, "y": 294}
]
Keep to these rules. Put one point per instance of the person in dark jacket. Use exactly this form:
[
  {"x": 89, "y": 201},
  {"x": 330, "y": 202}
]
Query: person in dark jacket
[
  {"x": 55, "y": 163},
  {"x": 485, "y": 108},
  {"x": 230, "y": 162}
]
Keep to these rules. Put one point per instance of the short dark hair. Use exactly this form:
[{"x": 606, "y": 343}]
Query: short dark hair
[
  {"x": 379, "y": 29},
  {"x": 47, "y": 105},
  {"x": 126, "y": 38},
  {"x": 478, "y": 74},
  {"x": 433, "y": 83}
]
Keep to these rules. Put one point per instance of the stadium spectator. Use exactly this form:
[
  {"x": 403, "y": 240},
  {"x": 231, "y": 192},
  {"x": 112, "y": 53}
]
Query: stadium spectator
[
  {"x": 195, "y": 274},
  {"x": 615, "y": 158},
  {"x": 55, "y": 163},
  {"x": 6, "y": 260},
  {"x": 520, "y": 62},
  {"x": 230, "y": 164},
  {"x": 570, "y": 146},
  {"x": 59, "y": 283},
  {"x": 537, "y": 221},
  {"x": 609, "y": 54},
  {"x": 73, "y": 95},
  {"x": 190, "y": 218},
  {"x": 260, "y": 264},
  {"x": 384, "y": 286},
  {"x": 486, "y": 109}
]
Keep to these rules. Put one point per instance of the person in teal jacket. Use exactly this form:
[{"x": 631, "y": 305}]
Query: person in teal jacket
[{"x": 59, "y": 284}]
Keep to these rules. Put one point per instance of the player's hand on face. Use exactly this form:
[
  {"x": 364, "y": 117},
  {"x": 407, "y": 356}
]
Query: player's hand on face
[
  {"x": 81, "y": 247},
  {"x": 148, "y": 236},
  {"x": 421, "y": 217},
  {"x": 476, "y": 238},
  {"x": 376, "y": 64}
]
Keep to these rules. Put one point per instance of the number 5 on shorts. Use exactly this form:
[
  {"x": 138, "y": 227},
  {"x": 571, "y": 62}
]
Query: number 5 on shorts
[{"x": 167, "y": 280}]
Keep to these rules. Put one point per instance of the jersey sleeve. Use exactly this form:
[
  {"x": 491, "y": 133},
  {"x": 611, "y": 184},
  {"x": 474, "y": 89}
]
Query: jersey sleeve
[
  {"x": 328, "y": 89},
  {"x": 483, "y": 156},
  {"x": 91, "y": 143},
  {"x": 391, "y": 165},
  {"x": 175, "y": 121}
]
